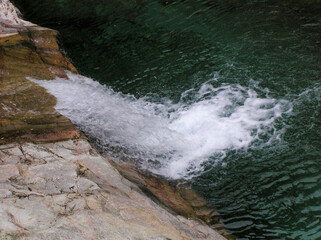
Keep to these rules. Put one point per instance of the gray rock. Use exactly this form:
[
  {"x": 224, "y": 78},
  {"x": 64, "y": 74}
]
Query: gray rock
[{"x": 68, "y": 191}]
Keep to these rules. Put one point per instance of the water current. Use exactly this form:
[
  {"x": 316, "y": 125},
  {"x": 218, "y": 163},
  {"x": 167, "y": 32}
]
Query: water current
[{"x": 222, "y": 94}]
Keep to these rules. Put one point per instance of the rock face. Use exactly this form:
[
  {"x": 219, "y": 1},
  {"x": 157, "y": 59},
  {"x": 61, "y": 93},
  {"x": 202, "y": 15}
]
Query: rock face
[
  {"x": 175, "y": 195},
  {"x": 27, "y": 110},
  {"x": 66, "y": 190},
  {"x": 53, "y": 183},
  {"x": 9, "y": 13}
]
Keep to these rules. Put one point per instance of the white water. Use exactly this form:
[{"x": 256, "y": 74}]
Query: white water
[{"x": 180, "y": 137}]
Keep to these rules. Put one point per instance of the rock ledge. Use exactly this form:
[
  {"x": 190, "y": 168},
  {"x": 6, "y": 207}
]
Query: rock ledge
[{"x": 53, "y": 183}]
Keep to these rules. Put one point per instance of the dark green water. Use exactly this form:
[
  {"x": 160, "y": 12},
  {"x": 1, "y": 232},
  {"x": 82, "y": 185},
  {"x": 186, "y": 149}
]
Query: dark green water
[{"x": 162, "y": 48}]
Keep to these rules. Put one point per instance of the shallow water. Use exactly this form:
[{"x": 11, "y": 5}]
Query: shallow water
[{"x": 224, "y": 95}]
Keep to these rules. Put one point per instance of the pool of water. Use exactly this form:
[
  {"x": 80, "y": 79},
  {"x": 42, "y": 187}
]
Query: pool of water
[{"x": 222, "y": 94}]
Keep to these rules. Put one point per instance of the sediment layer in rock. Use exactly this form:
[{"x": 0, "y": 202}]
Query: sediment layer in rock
[{"x": 27, "y": 110}]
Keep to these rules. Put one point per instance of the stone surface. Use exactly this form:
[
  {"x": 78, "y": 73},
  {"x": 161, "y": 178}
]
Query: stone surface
[
  {"x": 9, "y": 13},
  {"x": 27, "y": 110},
  {"x": 177, "y": 197},
  {"x": 66, "y": 190},
  {"x": 53, "y": 184}
]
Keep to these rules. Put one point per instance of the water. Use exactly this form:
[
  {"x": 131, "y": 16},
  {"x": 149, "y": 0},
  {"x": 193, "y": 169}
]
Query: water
[
  {"x": 179, "y": 137},
  {"x": 224, "y": 95}
]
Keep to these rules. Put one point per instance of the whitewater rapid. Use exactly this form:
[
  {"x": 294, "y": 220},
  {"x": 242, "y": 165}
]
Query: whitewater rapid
[{"x": 171, "y": 139}]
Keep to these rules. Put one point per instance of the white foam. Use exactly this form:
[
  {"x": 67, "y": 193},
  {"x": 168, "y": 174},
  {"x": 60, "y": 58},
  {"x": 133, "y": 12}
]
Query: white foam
[{"x": 180, "y": 137}]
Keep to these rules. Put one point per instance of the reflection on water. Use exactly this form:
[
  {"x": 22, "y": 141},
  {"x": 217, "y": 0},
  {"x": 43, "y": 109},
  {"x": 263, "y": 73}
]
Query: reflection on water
[{"x": 160, "y": 49}]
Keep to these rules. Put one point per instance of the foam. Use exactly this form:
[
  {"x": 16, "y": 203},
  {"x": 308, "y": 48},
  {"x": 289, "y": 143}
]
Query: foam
[{"x": 178, "y": 137}]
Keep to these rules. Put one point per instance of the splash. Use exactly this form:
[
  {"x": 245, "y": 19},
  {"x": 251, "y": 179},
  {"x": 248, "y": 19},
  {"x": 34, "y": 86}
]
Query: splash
[{"x": 172, "y": 139}]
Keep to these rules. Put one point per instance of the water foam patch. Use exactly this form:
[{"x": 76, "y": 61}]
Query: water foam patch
[{"x": 170, "y": 139}]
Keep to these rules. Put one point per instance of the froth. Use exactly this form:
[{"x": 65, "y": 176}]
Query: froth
[{"x": 179, "y": 137}]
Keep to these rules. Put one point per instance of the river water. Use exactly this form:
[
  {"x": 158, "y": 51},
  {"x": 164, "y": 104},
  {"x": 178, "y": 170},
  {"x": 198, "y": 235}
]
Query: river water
[{"x": 223, "y": 95}]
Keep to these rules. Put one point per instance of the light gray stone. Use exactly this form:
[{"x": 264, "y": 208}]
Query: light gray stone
[
  {"x": 76, "y": 194},
  {"x": 8, "y": 171},
  {"x": 11, "y": 154}
]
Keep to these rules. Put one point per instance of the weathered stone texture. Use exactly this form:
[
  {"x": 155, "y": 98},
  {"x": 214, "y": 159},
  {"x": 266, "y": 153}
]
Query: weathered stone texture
[{"x": 66, "y": 190}]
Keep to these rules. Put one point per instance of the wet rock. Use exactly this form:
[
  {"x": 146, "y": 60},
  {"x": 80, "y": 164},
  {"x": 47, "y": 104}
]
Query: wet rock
[
  {"x": 178, "y": 197},
  {"x": 27, "y": 110},
  {"x": 53, "y": 184}
]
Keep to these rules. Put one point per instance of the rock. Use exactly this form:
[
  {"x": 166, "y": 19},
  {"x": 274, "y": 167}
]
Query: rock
[
  {"x": 53, "y": 183},
  {"x": 176, "y": 196},
  {"x": 8, "y": 171},
  {"x": 11, "y": 154},
  {"x": 168, "y": 196},
  {"x": 27, "y": 110},
  {"x": 77, "y": 194},
  {"x": 9, "y": 13}
]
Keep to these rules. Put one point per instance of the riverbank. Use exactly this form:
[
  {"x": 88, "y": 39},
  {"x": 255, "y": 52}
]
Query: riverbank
[{"x": 53, "y": 183}]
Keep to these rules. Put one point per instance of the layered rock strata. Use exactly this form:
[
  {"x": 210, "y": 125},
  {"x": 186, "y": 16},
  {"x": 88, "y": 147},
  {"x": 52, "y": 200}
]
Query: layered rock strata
[
  {"x": 53, "y": 183},
  {"x": 27, "y": 110}
]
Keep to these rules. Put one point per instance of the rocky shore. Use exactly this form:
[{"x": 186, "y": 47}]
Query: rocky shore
[
  {"x": 66, "y": 190},
  {"x": 53, "y": 183}
]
